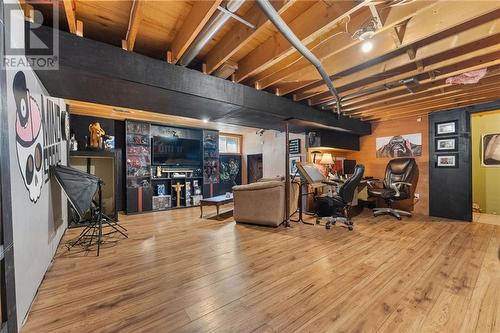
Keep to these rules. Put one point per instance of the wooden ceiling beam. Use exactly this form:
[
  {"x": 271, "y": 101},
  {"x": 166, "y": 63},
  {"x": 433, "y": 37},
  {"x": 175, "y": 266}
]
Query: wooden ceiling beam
[
  {"x": 241, "y": 34},
  {"x": 490, "y": 94},
  {"x": 135, "y": 18},
  {"x": 472, "y": 64},
  {"x": 75, "y": 26},
  {"x": 428, "y": 89},
  {"x": 409, "y": 104},
  {"x": 441, "y": 18},
  {"x": 436, "y": 65},
  {"x": 438, "y": 107},
  {"x": 429, "y": 101},
  {"x": 316, "y": 21},
  {"x": 431, "y": 57},
  {"x": 338, "y": 40},
  {"x": 69, "y": 9},
  {"x": 198, "y": 16}
]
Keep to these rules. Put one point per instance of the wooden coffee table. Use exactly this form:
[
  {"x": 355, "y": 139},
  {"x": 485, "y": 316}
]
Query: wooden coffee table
[{"x": 215, "y": 201}]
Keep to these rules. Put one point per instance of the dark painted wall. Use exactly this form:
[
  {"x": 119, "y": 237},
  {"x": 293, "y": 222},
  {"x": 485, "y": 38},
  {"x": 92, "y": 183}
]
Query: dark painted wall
[
  {"x": 333, "y": 139},
  {"x": 450, "y": 189}
]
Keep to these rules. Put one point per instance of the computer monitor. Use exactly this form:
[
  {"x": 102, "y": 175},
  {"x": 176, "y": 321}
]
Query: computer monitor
[{"x": 349, "y": 166}]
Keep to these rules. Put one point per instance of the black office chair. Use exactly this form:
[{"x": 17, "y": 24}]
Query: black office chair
[
  {"x": 400, "y": 181},
  {"x": 338, "y": 206}
]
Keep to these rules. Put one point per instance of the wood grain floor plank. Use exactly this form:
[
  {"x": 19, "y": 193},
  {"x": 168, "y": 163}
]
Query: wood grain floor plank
[{"x": 180, "y": 273}]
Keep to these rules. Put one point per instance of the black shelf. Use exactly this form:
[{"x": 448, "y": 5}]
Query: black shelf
[{"x": 159, "y": 179}]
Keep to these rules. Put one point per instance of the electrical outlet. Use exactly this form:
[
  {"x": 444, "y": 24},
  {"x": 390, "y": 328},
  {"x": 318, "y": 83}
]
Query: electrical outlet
[{"x": 417, "y": 195}]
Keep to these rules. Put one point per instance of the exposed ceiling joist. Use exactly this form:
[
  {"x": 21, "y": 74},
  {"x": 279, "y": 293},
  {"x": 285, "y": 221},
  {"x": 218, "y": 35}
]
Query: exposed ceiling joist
[
  {"x": 241, "y": 34},
  {"x": 75, "y": 26},
  {"x": 198, "y": 16},
  {"x": 136, "y": 16},
  {"x": 446, "y": 104},
  {"x": 434, "y": 100},
  {"x": 314, "y": 22},
  {"x": 427, "y": 90},
  {"x": 469, "y": 63},
  {"x": 433, "y": 58},
  {"x": 340, "y": 43},
  {"x": 438, "y": 19},
  {"x": 424, "y": 41}
]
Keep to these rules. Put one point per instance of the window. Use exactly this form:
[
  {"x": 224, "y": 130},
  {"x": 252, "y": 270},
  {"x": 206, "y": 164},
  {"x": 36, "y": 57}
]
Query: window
[{"x": 229, "y": 143}]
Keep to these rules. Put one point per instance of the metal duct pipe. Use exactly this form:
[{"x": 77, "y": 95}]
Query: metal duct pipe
[
  {"x": 209, "y": 31},
  {"x": 274, "y": 17}
]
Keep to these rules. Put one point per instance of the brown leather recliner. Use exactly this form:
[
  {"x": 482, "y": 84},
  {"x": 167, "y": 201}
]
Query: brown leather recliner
[
  {"x": 263, "y": 202},
  {"x": 400, "y": 182}
]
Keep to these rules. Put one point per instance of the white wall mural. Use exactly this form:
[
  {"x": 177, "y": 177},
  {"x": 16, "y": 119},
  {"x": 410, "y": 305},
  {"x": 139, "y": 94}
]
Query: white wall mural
[{"x": 406, "y": 145}]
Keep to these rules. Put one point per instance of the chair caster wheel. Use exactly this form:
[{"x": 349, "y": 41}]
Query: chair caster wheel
[
  {"x": 328, "y": 226},
  {"x": 334, "y": 222},
  {"x": 399, "y": 218},
  {"x": 350, "y": 228},
  {"x": 318, "y": 221}
]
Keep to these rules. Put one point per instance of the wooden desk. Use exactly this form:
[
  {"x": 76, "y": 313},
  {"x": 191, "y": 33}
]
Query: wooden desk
[{"x": 215, "y": 201}]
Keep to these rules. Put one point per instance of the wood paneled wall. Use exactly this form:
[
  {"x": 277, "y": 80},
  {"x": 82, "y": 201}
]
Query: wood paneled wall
[{"x": 376, "y": 166}]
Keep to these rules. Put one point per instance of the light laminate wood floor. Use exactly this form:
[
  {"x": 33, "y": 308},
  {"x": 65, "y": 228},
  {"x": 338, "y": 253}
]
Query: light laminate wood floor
[{"x": 180, "y": 273}]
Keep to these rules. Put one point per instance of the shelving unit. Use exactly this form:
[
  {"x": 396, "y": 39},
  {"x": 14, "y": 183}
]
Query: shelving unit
[
  {"x": 138, "y": 145},
  {"x": 152, "y": 187},
  {"x": 187, "y": 191}
]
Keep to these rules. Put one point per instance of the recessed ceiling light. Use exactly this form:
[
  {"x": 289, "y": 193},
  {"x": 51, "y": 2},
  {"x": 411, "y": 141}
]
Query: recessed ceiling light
[
  {"x": 205, "y": 120},
  {"x": 367, "y": 46}
]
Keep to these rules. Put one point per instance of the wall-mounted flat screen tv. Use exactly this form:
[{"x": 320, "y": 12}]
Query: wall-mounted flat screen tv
[{"x": 176, "y": 151}]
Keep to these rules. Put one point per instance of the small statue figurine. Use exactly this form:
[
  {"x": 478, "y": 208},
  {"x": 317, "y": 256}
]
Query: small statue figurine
[{"x": 96, "y": 132}]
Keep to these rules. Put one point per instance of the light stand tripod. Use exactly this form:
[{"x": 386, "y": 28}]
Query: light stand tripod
[
  {"x": 301, "y": 194},
  {"x": 95, "y": 225}
]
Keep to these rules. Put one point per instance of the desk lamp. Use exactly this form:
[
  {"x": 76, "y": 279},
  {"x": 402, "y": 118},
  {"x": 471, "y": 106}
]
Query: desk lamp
[{"x": 327, "y": 160}]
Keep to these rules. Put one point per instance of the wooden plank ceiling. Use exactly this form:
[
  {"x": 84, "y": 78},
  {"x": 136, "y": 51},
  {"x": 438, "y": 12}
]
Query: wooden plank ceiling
[{"x": 424, "y": 41}]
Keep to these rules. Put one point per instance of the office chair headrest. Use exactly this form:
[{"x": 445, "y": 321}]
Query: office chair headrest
[{"x": 400, "y": 165}]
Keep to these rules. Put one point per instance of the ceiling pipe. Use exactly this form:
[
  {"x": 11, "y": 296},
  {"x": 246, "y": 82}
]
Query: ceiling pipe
[
  {"x": 285, "y": 30},
  {"x": 208, "y": 32}
]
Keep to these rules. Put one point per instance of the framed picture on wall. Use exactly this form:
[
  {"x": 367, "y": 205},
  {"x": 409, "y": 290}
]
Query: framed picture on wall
[
  {"x": 446, "y": 144},
  {"x": 447, "y": 161},
  {"x": 293, "y": 164},
  {"x": 403, "y": 145},
  {"x": 294, "y": 146},
  {"x": 490, "y": 150},
  {"x": 447, "y": 128}
]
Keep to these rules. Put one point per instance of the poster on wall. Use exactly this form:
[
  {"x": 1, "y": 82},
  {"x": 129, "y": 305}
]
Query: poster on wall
[
  {"x": 406, "y": 145},
  {"x": 293, "y": 164},
  {"x": 490, "y": 152},
  {"x": 230, "y": 172},
  {"x": 254, "y": 168}
]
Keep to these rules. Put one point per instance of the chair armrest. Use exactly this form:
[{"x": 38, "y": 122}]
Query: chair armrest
[
  {"x": 331, "y": 182},
  {"x": 396, "y": 186},
  {"x": 373, "y": 183}
]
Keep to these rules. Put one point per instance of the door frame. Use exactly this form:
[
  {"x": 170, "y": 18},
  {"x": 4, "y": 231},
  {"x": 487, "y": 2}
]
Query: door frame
[{"x": 493, "y": 106}]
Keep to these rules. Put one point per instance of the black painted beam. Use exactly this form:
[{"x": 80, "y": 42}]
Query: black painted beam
[{"x": 96, "y": 72}]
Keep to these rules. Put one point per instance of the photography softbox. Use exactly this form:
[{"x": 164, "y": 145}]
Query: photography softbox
[{"x": 80, "y": 187}]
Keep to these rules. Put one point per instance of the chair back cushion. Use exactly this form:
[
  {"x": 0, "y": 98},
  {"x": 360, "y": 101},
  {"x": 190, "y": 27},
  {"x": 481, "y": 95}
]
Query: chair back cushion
[
  {"x": 347, "y": 190},
  {"x": 402, "y": 170}
]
